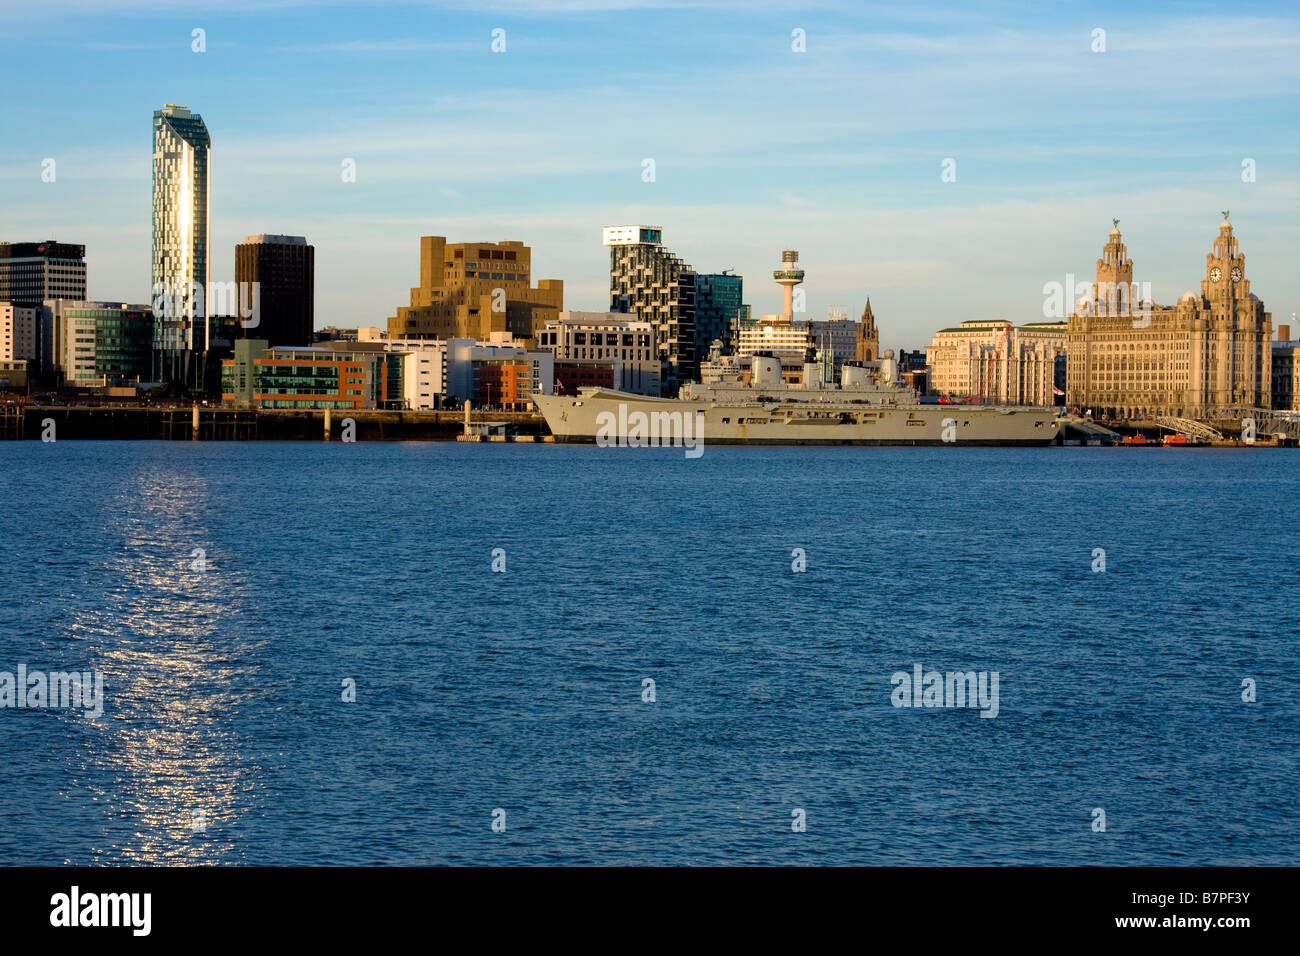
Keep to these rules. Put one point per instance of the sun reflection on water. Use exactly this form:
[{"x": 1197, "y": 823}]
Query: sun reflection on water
[{"x": 165, "y": 755}]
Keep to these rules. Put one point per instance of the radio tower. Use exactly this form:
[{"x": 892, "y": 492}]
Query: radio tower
[{"x": 789, "y": 276}]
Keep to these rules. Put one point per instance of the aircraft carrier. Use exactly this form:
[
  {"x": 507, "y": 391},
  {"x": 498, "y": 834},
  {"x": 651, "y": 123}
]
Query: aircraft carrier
[{"x": 733, "y": 405}]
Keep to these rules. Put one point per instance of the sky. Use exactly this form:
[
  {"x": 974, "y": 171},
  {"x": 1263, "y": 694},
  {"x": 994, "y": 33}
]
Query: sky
[{"x": 837, "y": 150}]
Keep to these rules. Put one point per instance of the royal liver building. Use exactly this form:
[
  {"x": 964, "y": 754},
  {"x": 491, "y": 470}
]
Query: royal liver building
[{"x": 1131, "y": 358}]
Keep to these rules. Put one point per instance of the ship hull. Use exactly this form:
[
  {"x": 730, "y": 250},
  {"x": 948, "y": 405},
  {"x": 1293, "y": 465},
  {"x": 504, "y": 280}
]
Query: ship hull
[{"x": 606, "y": 416}]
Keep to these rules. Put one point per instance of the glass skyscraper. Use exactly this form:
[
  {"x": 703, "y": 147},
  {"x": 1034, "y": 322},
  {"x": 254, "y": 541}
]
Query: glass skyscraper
[
  {"x": 180, "y": 245},
  {"x": 718, "y": 310}
]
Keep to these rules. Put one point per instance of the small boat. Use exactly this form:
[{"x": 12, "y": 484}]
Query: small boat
[
  {"x": 1176, "y": 439},
  {"x": 1136, "y": 440}
]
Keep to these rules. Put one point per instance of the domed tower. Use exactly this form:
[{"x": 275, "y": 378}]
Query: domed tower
[
  {"x": 789, "y": 276},
  {"x": 1112, "y": 292}
]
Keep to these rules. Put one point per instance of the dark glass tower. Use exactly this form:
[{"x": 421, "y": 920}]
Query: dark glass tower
[{"x": 284, "y": 270}]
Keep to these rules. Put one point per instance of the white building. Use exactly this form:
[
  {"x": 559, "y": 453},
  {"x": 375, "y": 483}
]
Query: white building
[
  {"x": 612, "y": 338},
  {"x": 789, "y": 341},
  {"x": 17, "y": 333},
  {"x": 465, "y": 358},
  {"x": 1007, "y": 364}
]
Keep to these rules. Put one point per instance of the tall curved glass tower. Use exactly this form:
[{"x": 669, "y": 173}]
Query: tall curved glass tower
[{"x": 180, "y": 245}]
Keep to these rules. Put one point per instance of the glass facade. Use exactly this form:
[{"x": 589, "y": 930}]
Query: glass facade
[
  {"x": 718, "y": 309},
  {"x": 107, "y": 345},
  {"x": 180, "y": 243}
]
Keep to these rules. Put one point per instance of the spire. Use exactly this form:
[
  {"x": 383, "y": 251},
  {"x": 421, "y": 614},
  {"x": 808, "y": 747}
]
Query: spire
[
  {"x": 867, "y": 317},
  {"x": 868, "y": 346}
]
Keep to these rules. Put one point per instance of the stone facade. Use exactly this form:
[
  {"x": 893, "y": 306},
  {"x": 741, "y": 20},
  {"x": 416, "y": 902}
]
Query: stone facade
[
  {"x": 868, "y": 338},
  {"x": 1006, "y": 364},
  {"x": 1286, "y": 371},
  {"x": 1133, "y": 360}
]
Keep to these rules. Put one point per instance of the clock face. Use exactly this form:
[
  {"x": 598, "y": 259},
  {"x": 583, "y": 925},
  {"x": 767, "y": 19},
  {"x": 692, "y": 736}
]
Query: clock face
[
  {"x": 1236, "y": 275},
  {"x": 1215, "y": 274}
]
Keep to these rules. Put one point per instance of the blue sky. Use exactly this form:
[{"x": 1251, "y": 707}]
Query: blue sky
[{"x": 835, "y": 151}]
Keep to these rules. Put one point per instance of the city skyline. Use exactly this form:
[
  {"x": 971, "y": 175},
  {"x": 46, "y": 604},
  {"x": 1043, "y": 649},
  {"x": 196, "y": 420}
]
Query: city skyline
[{"x": 450, "y": 138}]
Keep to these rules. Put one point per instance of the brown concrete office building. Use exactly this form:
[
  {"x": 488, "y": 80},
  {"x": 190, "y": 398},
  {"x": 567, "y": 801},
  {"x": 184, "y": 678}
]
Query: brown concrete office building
[
  {"x": 469, "y": 290},
  {"x": 285, "y": 269}
]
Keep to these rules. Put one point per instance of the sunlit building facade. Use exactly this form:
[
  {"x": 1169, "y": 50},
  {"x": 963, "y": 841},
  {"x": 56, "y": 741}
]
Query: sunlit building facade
[
  {"x": 1134, "y": 359},
  {"x": 180, "y": 244}
]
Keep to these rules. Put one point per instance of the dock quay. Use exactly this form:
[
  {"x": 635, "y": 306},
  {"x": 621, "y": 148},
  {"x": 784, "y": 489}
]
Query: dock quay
[{"x": 198, "y": 423}]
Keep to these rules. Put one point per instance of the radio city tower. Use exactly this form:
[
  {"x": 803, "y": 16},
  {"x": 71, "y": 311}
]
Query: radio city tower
[{"x": 789, "y": 275}]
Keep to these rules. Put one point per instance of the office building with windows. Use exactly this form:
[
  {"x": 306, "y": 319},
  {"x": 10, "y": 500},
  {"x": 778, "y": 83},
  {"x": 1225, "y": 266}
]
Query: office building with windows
[
  {"x": 474, "y": 290},
  {"x": 277, "y": 275}
]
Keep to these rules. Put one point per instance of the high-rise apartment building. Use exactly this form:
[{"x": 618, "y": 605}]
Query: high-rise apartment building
[
  {"x": 1133, "y": 359},
  {"x": 278, "y": 273},
  {"x": 648, "y": 281},
  {"x": 180, "y": 243},
  {"x": 31, "y": 272},
  {"x": 470, "y": 290}
]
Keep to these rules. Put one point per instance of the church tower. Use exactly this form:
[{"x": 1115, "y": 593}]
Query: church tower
[
  {"x": 1113, "y": 290},
  {"x": 868, "y": 337}
]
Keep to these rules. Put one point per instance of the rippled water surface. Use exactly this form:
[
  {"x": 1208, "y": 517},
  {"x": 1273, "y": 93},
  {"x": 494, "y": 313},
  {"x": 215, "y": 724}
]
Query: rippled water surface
[{"x": 523, "y": 690}]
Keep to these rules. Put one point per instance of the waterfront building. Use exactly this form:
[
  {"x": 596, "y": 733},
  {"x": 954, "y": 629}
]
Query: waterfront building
[
  {"x": 838, "y": 334},
  {"x": 18, "y": 333},
  {"x": 625, "y": 344},
  {"x": 648, "y": 281},
  {"x": 313, "y": 376},
  {"x": 573, "y": 375},
  {"x": 1003, "y": 363},
  {"x": 33, "y": 272},
  {"x": 283, "y": 271},
  {"x": 1133, "y": 359},
  {"x": 501, "y": 374},
  {"x": 13, "y": 373},
  {"x": 914, "y": 370},
  {"x": 1286, "y": 371},
  {"x": 719, "y": 309},
  {"x": 423, "y": 369},
  {"x": 772, "y": 335},
  {"x": 99, "y": 343},
  {"x": 180, "y": 244},
  {"x": 475, "y": 289}
]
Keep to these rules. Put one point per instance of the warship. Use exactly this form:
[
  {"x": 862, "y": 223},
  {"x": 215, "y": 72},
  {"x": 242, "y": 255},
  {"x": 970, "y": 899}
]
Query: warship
[{"x": 735, "y": 404}]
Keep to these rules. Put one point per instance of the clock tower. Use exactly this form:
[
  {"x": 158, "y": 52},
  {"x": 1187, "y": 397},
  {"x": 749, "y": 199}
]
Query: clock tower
[{"x": 1225, "y": 284}]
